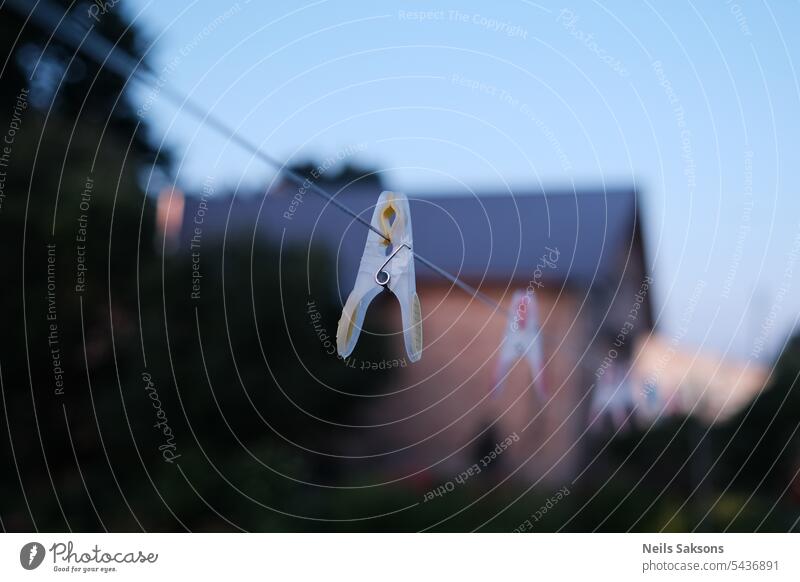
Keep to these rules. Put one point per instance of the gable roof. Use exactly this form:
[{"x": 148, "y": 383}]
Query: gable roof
[{"x": 481, "y": 237}]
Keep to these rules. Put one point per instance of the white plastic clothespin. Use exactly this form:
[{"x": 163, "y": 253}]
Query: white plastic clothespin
[
  {"x": 522, "y": 340},
  {"x": 386, "y": 263}
]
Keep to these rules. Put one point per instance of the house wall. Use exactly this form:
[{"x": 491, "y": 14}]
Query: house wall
[{"x": 444, "y": 402}]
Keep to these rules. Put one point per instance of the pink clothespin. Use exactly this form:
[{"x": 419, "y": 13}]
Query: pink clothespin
[{"x": 523, "y": 339}]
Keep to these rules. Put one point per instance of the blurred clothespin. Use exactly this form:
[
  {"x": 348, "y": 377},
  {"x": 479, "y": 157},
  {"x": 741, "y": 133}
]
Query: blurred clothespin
[
  {"x": 649, "y": 401},
  {"x": 523, "y": 339},
  {"x": 387, "y": 263},
  {"x": 611, "y": 398}
]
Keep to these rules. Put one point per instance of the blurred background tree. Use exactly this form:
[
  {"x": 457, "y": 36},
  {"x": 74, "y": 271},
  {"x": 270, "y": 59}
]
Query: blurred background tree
[
  {"x": 78, "y": 140},
  {"x": 343, "y": 175},
  {"x": 238, "y": 403}
]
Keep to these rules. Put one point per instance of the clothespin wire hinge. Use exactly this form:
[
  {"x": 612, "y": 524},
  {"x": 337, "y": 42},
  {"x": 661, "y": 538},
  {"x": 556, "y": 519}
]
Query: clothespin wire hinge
[{"x": 382, "y": 277}]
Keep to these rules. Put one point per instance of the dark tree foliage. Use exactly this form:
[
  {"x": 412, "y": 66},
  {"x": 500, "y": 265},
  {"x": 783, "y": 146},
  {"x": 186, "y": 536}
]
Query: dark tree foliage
[
  {"x": 345, "y": 174},
  {"x": 101, "y": 347},
  {"x": 740, "y": 474},
  {"x": 759, "y": 448}
]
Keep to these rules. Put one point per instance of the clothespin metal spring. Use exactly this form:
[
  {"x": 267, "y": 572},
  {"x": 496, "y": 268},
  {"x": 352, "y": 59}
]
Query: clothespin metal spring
[{"x": 380, "y": 274}]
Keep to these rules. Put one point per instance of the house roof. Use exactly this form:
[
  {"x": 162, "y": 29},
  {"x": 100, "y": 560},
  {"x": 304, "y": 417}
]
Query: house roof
[{"x": 481, "y": 237}]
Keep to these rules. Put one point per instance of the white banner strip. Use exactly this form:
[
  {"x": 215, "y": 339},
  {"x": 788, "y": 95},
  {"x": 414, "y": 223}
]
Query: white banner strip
[{"x": 401, "y": 557}]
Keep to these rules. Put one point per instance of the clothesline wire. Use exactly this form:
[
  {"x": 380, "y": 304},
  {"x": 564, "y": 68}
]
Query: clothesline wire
[
  {"x": 92, "y": 44},
  {"x": 99, "y": 49}
]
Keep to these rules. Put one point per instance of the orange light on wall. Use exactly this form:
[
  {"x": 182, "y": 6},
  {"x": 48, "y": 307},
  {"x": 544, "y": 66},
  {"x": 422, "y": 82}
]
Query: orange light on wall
[{"x": 169, "y": 219}]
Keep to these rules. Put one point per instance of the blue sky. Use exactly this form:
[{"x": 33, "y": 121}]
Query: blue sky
[{"x": 695, "y": 103}]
